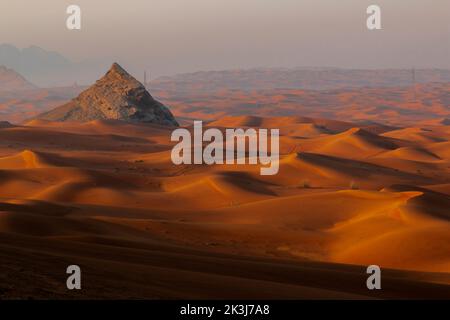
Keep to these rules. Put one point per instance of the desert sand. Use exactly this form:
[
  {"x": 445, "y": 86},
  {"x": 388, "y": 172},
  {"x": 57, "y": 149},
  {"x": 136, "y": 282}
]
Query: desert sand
[{"x": 105, "y": 195}]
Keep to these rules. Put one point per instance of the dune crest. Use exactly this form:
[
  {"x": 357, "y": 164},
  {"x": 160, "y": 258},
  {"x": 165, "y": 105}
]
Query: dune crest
[{"x": 24, "y": 160}]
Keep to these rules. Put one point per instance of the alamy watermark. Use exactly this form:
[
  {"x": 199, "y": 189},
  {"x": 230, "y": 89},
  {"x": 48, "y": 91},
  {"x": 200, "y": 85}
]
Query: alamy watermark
[
  {"x": 73, "y": 21},
  {"x": 374, "y": 20},
  {"x": 374, "y": 280},
  {"x": 228, "y": 149},
  {"x": 74, "y": 280}
]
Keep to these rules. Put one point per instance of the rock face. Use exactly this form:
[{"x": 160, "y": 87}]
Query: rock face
[
  {"x": 12, "y": 81},
  {"x": 116, "y": 96}
]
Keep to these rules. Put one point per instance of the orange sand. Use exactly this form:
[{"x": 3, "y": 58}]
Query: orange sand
[{"x": 106, "y": 196}]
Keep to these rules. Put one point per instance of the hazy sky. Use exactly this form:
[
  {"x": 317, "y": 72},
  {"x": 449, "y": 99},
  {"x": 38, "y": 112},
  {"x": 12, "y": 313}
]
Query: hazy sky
[{"x": 172, "y": 36}]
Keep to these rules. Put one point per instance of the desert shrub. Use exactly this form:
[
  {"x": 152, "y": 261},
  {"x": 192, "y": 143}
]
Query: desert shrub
[
  {"x": 306, "y": 184},
  {"x": 354, "y": 185}
]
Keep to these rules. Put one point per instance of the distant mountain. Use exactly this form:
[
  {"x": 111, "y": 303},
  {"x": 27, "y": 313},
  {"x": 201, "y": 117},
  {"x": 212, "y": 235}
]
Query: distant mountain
[
  {"x": 30, "y": 59},
  {"x": 116, "y": 96},
  {"x": 47, "y": 68},
  {"x": 12, "y": 81}
]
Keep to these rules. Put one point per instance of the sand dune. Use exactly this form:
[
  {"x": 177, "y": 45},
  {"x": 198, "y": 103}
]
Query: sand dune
[
  {"x": 442, "y": 149},
  {"x": 105, "y": 194},
  {"x": 442, "y": 188},
  {"x": 24, "y": 160},
  {"x": 295, "y": 126},
  {"x": 411, "y": 153},
  {"x": 423, "y": 135},
  {"x": 390, "y": 106},
  {"x": 353, "y": 144}
]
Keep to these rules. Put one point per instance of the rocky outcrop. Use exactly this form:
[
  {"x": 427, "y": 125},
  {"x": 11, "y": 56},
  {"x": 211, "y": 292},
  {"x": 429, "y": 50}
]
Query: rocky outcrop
[{"x": 118, "y": 96}]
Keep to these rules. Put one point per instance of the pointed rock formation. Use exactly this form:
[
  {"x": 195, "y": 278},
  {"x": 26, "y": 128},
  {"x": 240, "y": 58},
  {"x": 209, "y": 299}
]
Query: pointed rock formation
[{"x": 116, "y": 96}]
